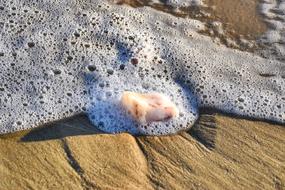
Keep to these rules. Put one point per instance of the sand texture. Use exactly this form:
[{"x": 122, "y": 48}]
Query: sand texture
[{"x": 219, "y": 152}]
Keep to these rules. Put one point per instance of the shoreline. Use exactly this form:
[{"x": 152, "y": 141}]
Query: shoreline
[{"x": 95, "y": 130}]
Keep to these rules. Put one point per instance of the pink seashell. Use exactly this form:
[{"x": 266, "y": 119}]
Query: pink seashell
[{"x": 150, "y": 107}]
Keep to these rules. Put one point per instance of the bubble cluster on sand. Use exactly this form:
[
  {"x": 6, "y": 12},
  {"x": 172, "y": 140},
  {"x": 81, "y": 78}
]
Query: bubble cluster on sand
[{"x": 61, "y": 58}]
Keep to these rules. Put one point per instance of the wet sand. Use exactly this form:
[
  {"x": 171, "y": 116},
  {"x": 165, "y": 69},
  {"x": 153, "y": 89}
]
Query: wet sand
[
  {"x": 219, "y": 152},
  {"x": 241, "y": 18}
]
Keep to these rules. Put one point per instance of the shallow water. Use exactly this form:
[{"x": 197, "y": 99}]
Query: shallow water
[{"x": 63, "y": 58}]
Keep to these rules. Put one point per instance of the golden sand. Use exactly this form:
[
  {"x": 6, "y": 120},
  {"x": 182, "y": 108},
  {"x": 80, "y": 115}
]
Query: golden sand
[{"x": 219, "y": 152}]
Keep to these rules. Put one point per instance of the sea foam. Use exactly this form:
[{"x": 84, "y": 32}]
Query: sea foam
[{"x": 62, "y": 58}]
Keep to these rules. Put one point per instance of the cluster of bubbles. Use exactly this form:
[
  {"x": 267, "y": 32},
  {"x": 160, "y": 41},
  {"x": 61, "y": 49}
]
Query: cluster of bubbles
[{"x": 62, "y": 58}]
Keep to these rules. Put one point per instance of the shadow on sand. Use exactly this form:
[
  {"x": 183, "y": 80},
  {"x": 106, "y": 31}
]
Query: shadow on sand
[{"x": 74, "y": 126}]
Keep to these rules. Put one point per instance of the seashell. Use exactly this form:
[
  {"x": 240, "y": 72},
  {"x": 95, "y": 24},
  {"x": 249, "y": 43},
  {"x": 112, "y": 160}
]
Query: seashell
[{"x": 150, "y": 107}]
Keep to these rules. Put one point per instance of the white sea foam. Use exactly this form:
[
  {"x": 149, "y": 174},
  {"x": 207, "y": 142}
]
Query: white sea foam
[{"x": 61, "y": 58}]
